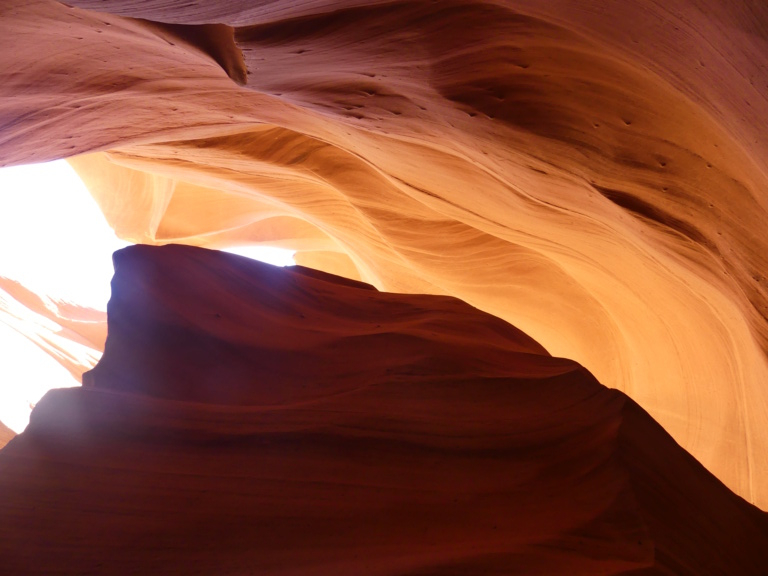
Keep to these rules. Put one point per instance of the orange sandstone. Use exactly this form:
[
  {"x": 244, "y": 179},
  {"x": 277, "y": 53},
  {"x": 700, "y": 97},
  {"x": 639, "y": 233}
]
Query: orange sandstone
[{"x": 592, "y": 172}]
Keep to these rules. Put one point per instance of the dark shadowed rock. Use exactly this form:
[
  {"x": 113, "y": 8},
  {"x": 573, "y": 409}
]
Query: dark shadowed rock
[{"x": 247, "y": 419}]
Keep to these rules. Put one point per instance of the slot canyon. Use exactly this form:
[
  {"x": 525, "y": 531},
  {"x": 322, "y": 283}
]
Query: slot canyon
[{"x": 528, "y": 328}]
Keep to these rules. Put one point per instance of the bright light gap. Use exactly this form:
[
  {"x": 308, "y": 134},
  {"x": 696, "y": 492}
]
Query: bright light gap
[{"x": 55, "y": 241}]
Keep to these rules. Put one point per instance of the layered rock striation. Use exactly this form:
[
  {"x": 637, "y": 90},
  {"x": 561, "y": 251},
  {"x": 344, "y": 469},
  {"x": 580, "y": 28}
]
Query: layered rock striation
[
  {"x": 250, "y": 419},
  {"x": 592, "y": 172}
]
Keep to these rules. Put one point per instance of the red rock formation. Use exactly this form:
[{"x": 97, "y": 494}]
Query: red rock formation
[
  {"x": 71, "y": 334},
  {"x": 6, "y": 434},
  {"x": 593, "y": 172},
  {"x": 251, "y": 419}
]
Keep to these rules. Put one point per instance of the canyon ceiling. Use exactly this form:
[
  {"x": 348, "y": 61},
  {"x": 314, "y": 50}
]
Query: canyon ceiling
[{"x": 594, "y": 173}]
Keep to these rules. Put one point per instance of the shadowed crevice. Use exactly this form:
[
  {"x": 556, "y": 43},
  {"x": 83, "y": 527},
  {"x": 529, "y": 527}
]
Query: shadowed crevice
[{"x": 214, "y": 40}]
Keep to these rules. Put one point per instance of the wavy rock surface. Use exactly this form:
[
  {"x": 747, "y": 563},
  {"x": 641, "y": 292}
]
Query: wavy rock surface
[
  {"x": 251, "y": 419},
  {"x": 71, "y": 334},
  {"x": 593, "y": 172}
]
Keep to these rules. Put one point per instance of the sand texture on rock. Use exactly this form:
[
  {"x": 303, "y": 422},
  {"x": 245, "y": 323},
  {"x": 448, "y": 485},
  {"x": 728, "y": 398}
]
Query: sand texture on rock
[
  {"x": 252, "y": 419},
  {"x": 592, "y": 172}
]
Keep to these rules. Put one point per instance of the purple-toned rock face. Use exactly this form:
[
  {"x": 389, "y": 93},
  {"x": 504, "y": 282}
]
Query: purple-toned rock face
[{"x": 247, "y": 419}]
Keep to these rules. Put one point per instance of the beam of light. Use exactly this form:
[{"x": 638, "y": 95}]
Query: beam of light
[
  {"x": 55, "y": 242},
  {"x": 53, "y": 238},
  {"x": 268, "y": 254}
]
